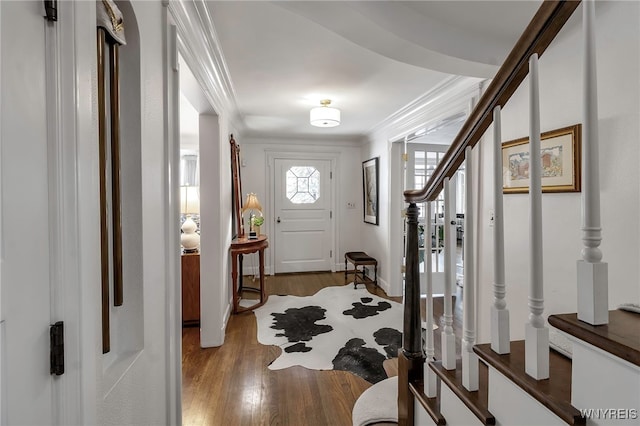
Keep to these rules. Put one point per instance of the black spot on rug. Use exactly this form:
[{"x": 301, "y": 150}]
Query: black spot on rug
[
  {"x": 360, "y": 360},
  {"x": 299, "y": 325},
  {"x": 360, "y": 310}
]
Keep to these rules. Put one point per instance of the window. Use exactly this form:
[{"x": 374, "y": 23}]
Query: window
[{"x": 303, "y": 185}]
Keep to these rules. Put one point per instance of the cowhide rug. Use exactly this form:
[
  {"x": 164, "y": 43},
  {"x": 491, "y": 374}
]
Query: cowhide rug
[{"x": 338, "y": 328}]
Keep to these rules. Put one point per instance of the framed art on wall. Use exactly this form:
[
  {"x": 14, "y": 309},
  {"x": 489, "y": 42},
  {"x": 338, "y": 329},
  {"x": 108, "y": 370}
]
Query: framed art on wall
[
  {"x": 370, "y": 190},
  {"x": 560, "y": 152}
]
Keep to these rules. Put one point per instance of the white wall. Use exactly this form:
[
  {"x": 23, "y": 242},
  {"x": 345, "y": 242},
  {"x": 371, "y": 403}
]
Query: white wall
[
  {"x": 348, "y": 176},
  {"x": 618, "y": 41},
  {"x": 215, "y": 228},
  {"x": 376, "y": 238}
]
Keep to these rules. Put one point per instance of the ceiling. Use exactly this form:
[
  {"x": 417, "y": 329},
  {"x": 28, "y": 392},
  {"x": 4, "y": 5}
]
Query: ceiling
[{"x": 371, "y": 58}]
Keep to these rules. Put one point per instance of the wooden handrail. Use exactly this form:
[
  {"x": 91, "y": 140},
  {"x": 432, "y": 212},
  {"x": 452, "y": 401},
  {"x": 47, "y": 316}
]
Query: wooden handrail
[{"x": 543, "y": 28}]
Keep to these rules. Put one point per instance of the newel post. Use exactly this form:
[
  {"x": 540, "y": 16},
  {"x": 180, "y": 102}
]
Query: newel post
[{"x": 410, "y": 357}]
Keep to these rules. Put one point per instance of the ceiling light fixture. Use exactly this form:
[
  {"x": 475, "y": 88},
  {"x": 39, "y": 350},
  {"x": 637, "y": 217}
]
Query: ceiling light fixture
[{"x": 324, "y": 116}]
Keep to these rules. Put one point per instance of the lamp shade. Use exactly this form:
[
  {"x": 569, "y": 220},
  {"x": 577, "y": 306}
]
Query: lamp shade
[
  {"x": 252, "y": 203},
  {"x": 189, "y": 200},
  {"x": 324, "y": 116}
]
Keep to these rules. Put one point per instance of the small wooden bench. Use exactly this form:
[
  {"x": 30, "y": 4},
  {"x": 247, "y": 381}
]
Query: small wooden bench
[{"x": 360, "y": 258}]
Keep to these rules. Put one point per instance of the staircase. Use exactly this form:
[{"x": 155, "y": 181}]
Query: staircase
[{"x": 521, "y": 382}]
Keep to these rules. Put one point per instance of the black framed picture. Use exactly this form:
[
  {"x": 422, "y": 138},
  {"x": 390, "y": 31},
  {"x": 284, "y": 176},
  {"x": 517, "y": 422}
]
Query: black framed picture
[{"x": 370, "y": 190}]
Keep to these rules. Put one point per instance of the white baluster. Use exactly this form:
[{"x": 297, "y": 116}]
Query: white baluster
[
  {"x": 469, "y": 358},
  {"x": 448, "y": 345},
  {"x": 500, "y": 338},
  {"x": 430, "y": 378},
  {"x": 536, "y": 333},
  {"x": 593, "y": 276}
]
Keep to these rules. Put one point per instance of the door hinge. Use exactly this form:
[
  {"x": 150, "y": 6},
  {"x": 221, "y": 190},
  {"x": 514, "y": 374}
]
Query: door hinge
[
  {"x": 330, "y": 253},
  {"x": 51, "y": 10},
  {"x": 330, "y": 214},
  {"x": 330, "y": 175},
  {"x": 405, "y": 157},
  {"x": 56, "y": 334}
]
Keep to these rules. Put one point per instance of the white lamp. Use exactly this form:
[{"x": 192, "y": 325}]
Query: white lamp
[
  {"x": 324, "y": 116},
  {"x": 189, "y": 205},
  {"x": 252, "y": 204}
]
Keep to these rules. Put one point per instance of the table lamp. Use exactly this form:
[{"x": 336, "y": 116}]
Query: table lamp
[
  {"x": 189, "y": 205},
  {"x": 252, "y": 204}
]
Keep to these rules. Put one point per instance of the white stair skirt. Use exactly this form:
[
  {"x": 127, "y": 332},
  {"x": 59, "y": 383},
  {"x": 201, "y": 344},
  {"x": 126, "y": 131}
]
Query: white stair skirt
[
  {"x": 421, "y": 417},
  {"x": 453, "y": 409},
  {"x": 510, "y": 405},
  {"x": 603, "y": 381}
]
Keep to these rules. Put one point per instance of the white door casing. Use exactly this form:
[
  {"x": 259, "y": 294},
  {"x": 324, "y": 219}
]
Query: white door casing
[{"x": 303, "y": 215}]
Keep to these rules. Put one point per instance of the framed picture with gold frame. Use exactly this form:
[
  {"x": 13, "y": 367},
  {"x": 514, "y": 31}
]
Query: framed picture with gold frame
[{"x": 560, "y": 152}]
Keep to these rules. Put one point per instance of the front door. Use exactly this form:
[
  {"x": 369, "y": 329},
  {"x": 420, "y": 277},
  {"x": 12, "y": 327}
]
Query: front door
[
  {"x": 303, "y": 215},
  {"x": 26, "y": 387}
]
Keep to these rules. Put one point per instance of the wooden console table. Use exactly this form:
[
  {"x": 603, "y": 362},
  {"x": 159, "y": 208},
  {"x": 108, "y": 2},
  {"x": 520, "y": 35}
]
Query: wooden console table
[{"x": 240, "y": 247}]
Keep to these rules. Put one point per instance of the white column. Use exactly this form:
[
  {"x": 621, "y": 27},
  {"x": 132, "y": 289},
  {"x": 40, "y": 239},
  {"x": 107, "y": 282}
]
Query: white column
[
  {"x": 536, "y": 333},
  {"x": 469, "y": 358},
  {"x": 430, "y": 378},
  {"x": 593, "y": 276},
  {"x": 500, "y": 338},
  {"x": 448, "y": 345}
]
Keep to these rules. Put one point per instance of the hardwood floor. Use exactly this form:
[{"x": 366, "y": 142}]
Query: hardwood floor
[{"x": 231, "y": 384}]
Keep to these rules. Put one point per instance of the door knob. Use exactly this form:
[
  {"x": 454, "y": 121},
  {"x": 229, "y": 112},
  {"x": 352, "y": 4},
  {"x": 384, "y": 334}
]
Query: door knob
[{"x": 278, "y": 220}]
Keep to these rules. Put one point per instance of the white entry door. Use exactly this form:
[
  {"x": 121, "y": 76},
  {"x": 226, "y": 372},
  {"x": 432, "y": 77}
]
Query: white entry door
[
  {"x": 26, "y": 387},
  {"x": 303, "y": 215}
]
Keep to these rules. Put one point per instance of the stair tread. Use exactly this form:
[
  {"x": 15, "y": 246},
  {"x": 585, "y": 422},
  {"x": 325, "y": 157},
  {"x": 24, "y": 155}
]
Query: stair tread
[
  {"x": 620, "y": 337},
  {"x": 431, "y": 405},
  {"x": 554, "y": 392},
  {"x": 477, "y": 401}
]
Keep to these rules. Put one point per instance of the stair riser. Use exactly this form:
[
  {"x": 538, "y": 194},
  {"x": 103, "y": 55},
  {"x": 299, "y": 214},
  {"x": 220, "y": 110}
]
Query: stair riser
[{"x": 510, "y": 405}]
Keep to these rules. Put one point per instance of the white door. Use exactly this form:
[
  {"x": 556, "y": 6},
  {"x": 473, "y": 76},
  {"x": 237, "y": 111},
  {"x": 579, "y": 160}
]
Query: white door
[
  {"x": 25, "y": 310},
  {"x": 303, "y": 215}
]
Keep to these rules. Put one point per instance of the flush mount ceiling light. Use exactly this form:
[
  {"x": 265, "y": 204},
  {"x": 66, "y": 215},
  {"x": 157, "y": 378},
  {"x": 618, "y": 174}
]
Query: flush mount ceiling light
[{"x": 324, "y": 116}]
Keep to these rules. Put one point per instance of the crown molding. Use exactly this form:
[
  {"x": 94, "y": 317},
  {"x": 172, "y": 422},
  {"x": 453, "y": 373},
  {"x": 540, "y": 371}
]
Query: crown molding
[
  {"x": 449, "y": 97},
  {"x": 200, "y": 47},
  {"x": 305, "y": 140}
]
